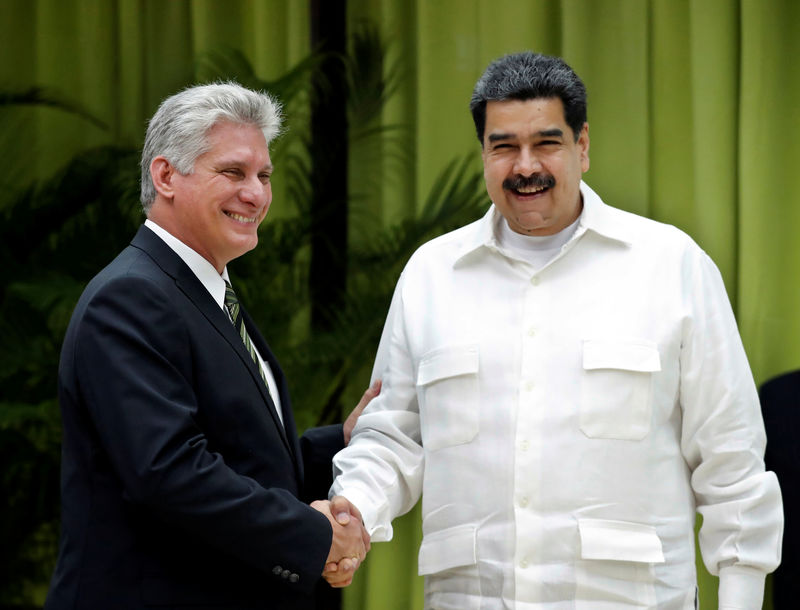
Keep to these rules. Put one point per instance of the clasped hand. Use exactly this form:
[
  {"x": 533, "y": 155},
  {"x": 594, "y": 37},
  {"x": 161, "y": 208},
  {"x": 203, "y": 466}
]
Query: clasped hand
[{"x": 350, "y": 540}]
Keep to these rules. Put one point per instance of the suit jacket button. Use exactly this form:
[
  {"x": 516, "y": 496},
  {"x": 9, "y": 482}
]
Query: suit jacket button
[
  {"x": 285, "y": 574},
  {"x": 294, "y": 578},
  {"x": 277, "y": 570}
]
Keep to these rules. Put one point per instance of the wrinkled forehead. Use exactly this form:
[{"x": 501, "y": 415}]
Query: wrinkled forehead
[
  {"x": 237, "y": 143},
  {"x": 540, "y": 115}
]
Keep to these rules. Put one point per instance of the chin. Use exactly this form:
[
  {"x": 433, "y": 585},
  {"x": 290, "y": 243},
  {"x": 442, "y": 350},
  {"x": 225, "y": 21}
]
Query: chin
[
  {"x": 238, "y": 249},
  {"x": 532, "y": 225},
  {"x": 252, "y": 244}
]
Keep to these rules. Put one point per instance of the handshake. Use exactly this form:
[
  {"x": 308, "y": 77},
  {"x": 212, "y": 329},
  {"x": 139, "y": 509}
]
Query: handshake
[{"x": 350, "y": 540}]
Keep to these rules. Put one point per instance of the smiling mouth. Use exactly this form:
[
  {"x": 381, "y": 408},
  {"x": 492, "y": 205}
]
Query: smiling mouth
[
  {"x": 531, "y": 185},
  {"x": 240, "y": 218},
  {"x": 530, "y": 190}
]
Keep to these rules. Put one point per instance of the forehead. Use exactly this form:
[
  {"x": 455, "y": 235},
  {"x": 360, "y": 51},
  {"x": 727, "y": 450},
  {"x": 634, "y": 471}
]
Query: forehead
[
  {"x": 226, "y": 139},
  {"x": 511, "y": 116}
]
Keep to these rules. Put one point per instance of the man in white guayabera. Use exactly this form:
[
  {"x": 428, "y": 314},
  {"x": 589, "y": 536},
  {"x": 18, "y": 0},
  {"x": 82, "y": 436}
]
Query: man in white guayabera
[{"x": 565, "y": 386}]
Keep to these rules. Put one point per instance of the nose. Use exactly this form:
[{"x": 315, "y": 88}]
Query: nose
[
  {"x": 255, "y": 192},
  {"x": 526, "y": 163}
]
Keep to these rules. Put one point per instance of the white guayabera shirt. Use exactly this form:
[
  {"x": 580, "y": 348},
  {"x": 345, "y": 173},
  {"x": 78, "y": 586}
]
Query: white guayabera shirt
[{"x": 563, "y": 425}]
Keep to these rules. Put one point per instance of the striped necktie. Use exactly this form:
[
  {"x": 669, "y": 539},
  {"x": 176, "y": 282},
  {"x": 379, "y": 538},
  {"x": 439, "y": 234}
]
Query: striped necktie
[{"x": 232, "y": 303}]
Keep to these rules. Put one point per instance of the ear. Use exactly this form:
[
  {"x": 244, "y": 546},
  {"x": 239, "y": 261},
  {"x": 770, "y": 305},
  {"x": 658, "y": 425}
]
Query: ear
[
  {"x": 583, "y": 146},
  {"x": 163, "y": 173}
]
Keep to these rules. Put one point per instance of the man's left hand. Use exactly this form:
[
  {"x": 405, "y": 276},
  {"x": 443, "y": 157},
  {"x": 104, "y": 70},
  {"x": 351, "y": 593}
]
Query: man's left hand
[{"x": 351, "y": 420}]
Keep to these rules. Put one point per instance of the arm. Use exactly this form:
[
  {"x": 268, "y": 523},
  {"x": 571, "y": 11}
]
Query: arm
[
  {"x": 350, "y": 423},
  {"x": 319, "y": 445},
  {"x": 723, "y": 442},
  {"x": 380, "y": 471}
]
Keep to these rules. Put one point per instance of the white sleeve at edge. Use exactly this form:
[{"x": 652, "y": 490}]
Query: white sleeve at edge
[
  {"x": 380, "y": 471},
  {"x": 723, "y": 442},
  {"x": 741, "y": 588}
]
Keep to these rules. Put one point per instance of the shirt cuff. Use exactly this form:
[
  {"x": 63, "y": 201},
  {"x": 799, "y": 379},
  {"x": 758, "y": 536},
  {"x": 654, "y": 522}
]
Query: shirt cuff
[
  {"x": 741, "y": 588},
  {"x": 369, "y": 515}
]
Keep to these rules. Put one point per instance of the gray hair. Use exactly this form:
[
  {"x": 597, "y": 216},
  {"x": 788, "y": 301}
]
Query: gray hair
[
  {"x": 179, "y": 129},
  {"x": 525, "y": 76}
]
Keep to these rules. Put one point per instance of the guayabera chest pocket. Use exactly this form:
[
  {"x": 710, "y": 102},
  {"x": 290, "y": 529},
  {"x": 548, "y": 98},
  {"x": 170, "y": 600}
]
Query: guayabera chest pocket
[
  {"x": 617, "y": 388},
  {"x": 448, "y": 394}
]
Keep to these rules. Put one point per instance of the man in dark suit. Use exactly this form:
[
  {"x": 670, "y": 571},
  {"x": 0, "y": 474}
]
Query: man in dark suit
[{"x": 182, "y": 474}]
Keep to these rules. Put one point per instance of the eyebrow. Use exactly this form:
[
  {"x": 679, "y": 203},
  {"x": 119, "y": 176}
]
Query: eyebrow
[
  {"x": 496, "y": 137},
  {"x": 238, "y": 163},
  {"x": 551, "y": 133},
  {"x": 545, "y": 133}
]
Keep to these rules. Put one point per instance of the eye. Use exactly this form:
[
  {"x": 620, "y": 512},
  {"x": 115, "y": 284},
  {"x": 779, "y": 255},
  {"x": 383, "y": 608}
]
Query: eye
[
  {"x": 232, "y": 172},
  {"x": 264, "y": 177}
]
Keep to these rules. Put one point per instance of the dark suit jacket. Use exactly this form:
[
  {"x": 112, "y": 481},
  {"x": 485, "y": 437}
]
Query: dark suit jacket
[
  {"x": 180, "y": 486},
  {"x": 780, "y": 404}
]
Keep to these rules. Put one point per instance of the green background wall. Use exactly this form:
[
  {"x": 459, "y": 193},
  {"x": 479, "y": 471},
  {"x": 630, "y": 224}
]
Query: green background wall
[{"x": 693, "y": 111}]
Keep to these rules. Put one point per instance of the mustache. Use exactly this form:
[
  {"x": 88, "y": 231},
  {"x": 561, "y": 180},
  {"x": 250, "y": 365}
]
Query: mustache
[{"x": 518, "y": 182}]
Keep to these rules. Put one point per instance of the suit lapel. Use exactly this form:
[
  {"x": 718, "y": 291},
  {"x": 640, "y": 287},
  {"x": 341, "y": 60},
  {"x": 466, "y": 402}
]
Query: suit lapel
[{"x": 193, "y": 288}]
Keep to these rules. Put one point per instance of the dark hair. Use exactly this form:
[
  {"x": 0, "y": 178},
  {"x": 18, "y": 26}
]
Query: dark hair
[{"x": 525, "y": 76}]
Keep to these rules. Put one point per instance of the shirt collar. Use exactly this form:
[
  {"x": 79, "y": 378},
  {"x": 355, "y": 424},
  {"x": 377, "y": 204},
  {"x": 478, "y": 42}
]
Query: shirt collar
[
  {"x": 596, "y": 217},
  {"x": 603, "y": 219},
  {"x": 204, "y": 270}
]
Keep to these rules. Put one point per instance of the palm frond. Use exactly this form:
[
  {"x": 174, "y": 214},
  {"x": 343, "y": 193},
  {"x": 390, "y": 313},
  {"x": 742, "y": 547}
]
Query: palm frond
[
  {"x": 42, "y": 96},
  {"x": 226, "y": 63},
  {"x": 456, "y": 198},
  {"x": 371, "y": 78}
]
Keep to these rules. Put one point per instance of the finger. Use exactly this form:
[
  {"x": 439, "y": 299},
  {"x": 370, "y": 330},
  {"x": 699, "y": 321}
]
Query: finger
[
  {"x": 338, "y": 582},
  {"x": 341, "y": 509},
  {"x": 341, "y": 584},
  {"x": 370, "y": 393},
  {"x": 321, "y": 505}
]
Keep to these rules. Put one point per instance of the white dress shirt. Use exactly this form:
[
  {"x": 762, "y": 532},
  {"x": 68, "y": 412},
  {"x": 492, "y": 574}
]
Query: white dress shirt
[
  {"x": 564, "y": 424},
  {"x": 215, "y": 284}
]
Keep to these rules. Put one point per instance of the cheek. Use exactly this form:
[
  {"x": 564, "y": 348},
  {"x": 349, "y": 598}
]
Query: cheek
[
  {"x": 493, "y": 188},
  {"x": 267, "y": 199},
  {"x": 563, "y": 171},
  {"x": 494, "y": 174}
]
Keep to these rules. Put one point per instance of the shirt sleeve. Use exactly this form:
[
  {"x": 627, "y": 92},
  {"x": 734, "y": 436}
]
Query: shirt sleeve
[
  {"x": 723, "y": 442},
  {"x": 380, "y": 471}
]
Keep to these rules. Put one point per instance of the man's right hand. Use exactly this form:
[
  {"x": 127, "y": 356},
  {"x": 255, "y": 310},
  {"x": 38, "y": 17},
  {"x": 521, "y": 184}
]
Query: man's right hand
[{"x": 350, "y": 540}]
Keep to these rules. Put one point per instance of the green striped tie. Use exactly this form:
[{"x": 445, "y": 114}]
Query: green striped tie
[{"x": 232, "y": 303}]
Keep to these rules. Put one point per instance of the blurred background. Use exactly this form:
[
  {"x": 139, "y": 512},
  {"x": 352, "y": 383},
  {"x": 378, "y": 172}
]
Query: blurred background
[{"x": 694, "y": 120}]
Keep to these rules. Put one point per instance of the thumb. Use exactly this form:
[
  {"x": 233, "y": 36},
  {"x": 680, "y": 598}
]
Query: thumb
[{"x": 340, "y": 509}]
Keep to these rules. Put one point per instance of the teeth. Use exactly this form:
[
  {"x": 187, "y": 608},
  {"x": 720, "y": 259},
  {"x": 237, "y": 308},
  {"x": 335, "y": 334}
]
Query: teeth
[
  {"x": 240, "y": 218},
  {"x": 531, "y": 189}
]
